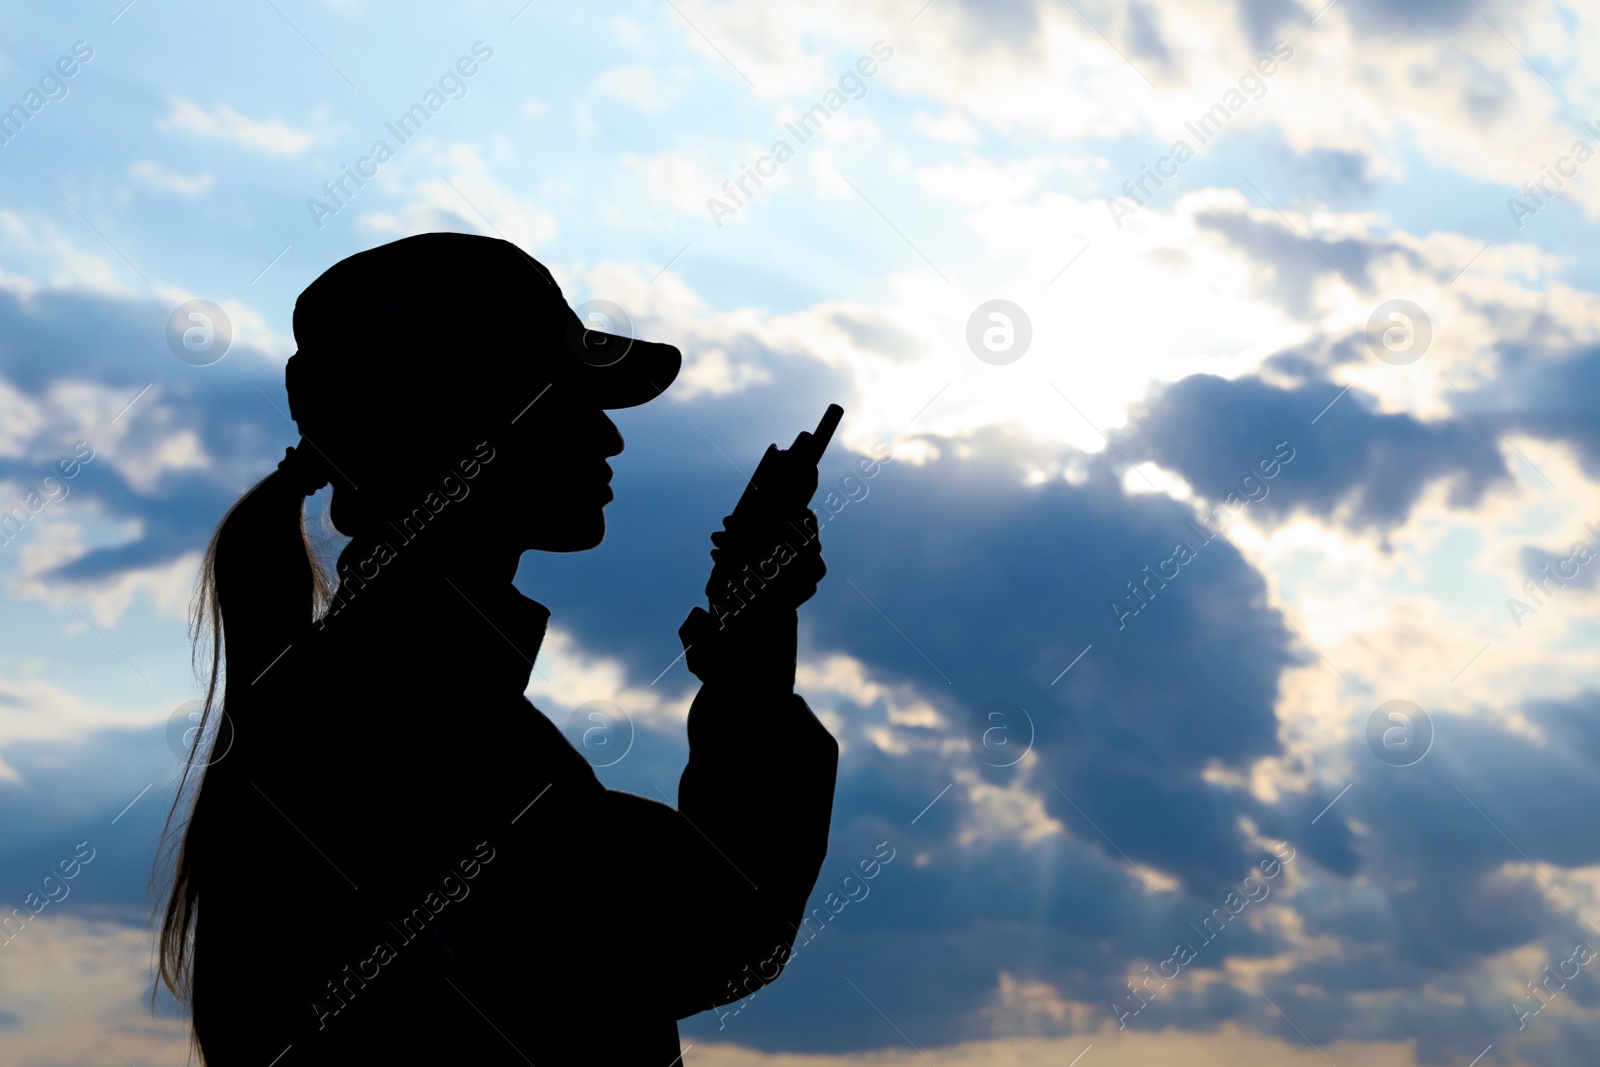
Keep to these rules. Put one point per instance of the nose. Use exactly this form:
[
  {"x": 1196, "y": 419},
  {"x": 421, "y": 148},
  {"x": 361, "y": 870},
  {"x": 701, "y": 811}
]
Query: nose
[{"x": 611, "y": 437}]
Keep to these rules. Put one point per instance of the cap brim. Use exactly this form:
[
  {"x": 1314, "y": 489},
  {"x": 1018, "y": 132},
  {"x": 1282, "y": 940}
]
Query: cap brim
[{"x": 618, "y": 371}]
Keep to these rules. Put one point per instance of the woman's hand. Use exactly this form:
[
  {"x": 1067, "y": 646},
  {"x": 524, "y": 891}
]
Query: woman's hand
[
  {"x": 751, "y": 633},
  {"x": 777, "y": 567}
]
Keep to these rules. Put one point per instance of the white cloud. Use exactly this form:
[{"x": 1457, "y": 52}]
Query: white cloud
[
  {"x": 980, "y": 182},
  {"x": 47, "y": 258},
  {"x": 567, "y": 676},
  {"x": 145, "y": 459},
  {"x": 953, "y": 128},
  {"x": 44, "y": 252},
  {"x": 271, "y": 136},
  {"x": 1023, "y": 1006},
  {"x": 676, "y": 181},
  {"x": 583, "y": 122},
  {"x": 20, "y": 421},
  {"x": 32, "y": 710},
  {"x": 1013, "y": 812},
  {"x": 1419, "y": 613},
  {"x": 627, "y": 32},
  {"x": 167, "y": 587},
  {"x": 1467, "y": 102},
  {"x": 102, "y": 968},
  {"x": 636, "y": 85},
  {"x": 171, "y": 181},
  {"x": 471, "y": 198}
]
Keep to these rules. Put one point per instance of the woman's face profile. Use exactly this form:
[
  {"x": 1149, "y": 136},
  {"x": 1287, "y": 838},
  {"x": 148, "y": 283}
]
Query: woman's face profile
[{"x": 551, "y": 492}]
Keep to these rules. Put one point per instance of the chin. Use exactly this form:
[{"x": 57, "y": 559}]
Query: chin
[{"x": 578, "y": 537}]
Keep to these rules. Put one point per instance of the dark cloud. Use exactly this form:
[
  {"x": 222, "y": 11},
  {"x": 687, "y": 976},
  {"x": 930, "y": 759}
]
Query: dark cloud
[
  {"x": 1365, "y": 468},
  {"x": 1144, "y": 34},
  {"x": 1564, "y": 568},
  {"x": 1551, "y": 392},
  {"x": 70, "y": 791},
  {"x": 1324, "y": 839},
  {"x": 969, "y": 586},
  {"x": 876, "y": 334},
  {"x": 1294, "y": 262},
  {"x": 57, "y": 338},
  {"x": 956, "y": 579},
  {"x": 1485, "y": 93},
  {"x": 1429, "y": 906},
  {"x": 1261, "y": 19},
  {"x": 1375, "y": 17},
  {"x": 1013, "y": 23},
  {"x": 1315, "y": 359},
  {"x": 1435, "y": 902},
  {"x": 1527, "y": 787},
  {"x": 958, "y": 582},
  {"x": 1342, "y": 173},
  {"x": 987, "y": 589}
]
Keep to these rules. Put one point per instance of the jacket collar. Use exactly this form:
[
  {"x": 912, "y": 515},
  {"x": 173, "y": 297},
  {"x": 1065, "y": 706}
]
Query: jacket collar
[
  {"x": 504, "y": 629},
  {"x": 414, "y": 619}
]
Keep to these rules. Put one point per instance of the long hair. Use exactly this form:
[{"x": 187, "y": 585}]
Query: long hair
[{"x": 260, "y": 584}]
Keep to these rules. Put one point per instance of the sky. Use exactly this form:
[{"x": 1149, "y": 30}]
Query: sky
[{"x": 1213, "y": 532}]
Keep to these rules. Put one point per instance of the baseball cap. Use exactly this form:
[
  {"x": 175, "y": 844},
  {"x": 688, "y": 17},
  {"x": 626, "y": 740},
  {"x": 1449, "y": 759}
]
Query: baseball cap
[{"x": 460, "y": 325}]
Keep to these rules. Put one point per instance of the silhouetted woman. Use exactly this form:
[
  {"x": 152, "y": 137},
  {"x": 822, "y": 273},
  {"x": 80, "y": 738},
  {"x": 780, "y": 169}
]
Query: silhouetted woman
[{"x": 391, "y": 856}]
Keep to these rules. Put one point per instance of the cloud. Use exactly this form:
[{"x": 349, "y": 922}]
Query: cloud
[
  {"x": 106, "y": 979},
  {"x": 1429, "y": 81},
  {"x": 984, "y": 560},
  {"x": 465, "y": 200},
  {"x": 35, "y": 712},
  {"x": 1546, "y": 388},
  {"x": 981, "y": 182},
  {"x": 1567, "y": 566},
  {"x": 88, "y": 375},
  {"x": 171, "y": 181},
  {"x": 1413, "y": 15},
  {"x": 954, "y": 128},
  {"x": 1295, "y": 262},
  {"x": 961, "y": 571},
  {"x": 1263, "y": 19},
  {"x": 271, "y": 136},
  {"x": 1022, "y": 1007},
  {"x": 637, "y": 85},
  {"x": 678, "y": 181},
  {"x": 1469, "y": 865},
  {"x": 1354, "y": 464},
  {"x": 1144, "y": 34}
]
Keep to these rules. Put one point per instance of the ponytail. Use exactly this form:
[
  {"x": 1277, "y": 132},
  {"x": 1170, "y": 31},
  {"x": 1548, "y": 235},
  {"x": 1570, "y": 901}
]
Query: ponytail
[{"x": 259, "y": 586}]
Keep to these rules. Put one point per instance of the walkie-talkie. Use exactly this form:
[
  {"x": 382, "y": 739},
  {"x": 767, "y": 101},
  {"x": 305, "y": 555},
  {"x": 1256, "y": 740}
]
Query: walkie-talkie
[{"x": 781, "y": 486}]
